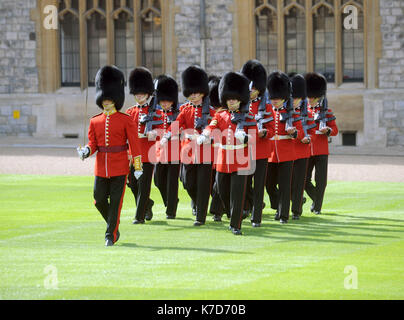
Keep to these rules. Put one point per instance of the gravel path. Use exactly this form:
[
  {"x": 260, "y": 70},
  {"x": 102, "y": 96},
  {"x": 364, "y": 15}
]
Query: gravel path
[{"x": 64, "y": 161}]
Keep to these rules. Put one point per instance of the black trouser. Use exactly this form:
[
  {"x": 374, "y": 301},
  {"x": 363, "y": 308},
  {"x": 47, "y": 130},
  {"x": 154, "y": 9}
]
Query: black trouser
[
  {"x": 232, "y": 189},
  {"x": 196, "y": 179},
  {"x": 280, "y": 174},
  {"x": 298, "y": 185},
  {"x": 216, "y": 204},
  {"x": 108, "y": 196},
  {"x": 166, "y": 180},
  {"x": 316, "y": 193},
  {"x": 141, "y": 189},
  {"x": 256, "y": 189}
]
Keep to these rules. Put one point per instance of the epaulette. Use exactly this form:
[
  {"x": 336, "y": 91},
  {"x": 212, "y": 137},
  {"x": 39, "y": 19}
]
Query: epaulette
[
  {"x": 221, "y": 109},
  {"x": 97, "y": 115},
  {"x": 183, "y": 106}
]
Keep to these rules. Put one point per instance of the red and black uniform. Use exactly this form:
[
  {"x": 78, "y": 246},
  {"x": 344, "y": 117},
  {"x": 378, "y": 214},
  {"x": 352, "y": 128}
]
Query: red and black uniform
[
  {"x": 196, "y": 159},
  {"x": 234, "y": 162},
  {"x": 168, "y": 162},
  {"x": 319, "y": 159},
  {"x": 216, "y": 205},
  {"x": 279, "y": 177},
  {"x": 144, "y": 154},
  {"x": 255, "y": 195},
  {"x": 108, "y": 134},
  {"x": 303, "y": 153},
  {"x": 234, "y": 134},
  {"x": 317, "y": 88}
]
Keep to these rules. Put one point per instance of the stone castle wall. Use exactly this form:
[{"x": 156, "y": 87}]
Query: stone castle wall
[{"x": 390, "y": 103}]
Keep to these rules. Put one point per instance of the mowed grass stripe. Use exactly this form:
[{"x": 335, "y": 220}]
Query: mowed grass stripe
[{"x": 52, "y": 221}]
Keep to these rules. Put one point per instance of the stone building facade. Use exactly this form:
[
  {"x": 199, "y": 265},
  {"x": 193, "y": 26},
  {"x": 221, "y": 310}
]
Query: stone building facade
[{"x": 219, "y": 35}]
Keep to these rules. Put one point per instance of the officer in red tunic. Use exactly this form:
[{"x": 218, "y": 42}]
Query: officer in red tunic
[
  {"x": 234, "y": 132},
  {"x": 168, "y": 156},
  {"x": 142, "y": 87},
  {"x": 197, "y": 160},
  {"x": 262, "y": 110},
  {"x": 108, "y": 135},
  {"x": 287, "y": 127},
  {"x": 302, "y": 147},
  {"x": 325, "y": 127}
]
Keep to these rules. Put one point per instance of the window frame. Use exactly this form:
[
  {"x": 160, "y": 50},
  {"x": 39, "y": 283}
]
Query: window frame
[
  {"x": 372, "y": 40},
  {"x": 48, "y": 41}
]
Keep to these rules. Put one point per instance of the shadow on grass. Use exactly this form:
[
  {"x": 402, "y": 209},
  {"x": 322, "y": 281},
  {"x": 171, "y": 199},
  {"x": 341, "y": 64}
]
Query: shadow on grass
[
  {"x": 325, "y": 228},
  {"x": 160, "y": 248},
  {"x": 321, "y": 229}
]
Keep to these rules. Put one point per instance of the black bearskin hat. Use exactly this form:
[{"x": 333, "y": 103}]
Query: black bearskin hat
[
  {"x": 234, "y": 85},
  {"x": 167, "y": 89},
  {"x": 316, "y": 85},
  {"x": 279, "y": 86},
  {"x": 255, "y": 72},
  {"x": 214, "y": 91},
  {"x": 194, "y": 80},
  {"x": 141, "y": 81},
  {"x": 298, "y": 86},
  {"x": 110, "y": 85}
]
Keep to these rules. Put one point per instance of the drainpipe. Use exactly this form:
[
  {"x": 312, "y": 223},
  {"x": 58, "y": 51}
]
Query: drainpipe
[{"x": 203, "y": 33}]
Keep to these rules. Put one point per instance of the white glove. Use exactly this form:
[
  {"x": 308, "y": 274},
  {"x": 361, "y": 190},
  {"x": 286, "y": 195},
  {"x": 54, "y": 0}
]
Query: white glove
[
  {"x": 202, "y": 139},
  {"x": 152, "y": 135},
  {"x": 138, "y": 174},
  {"x": 163, "y": 142},
  {"x": 240, "y": 135},
  {"x": 83, "y": 152}
]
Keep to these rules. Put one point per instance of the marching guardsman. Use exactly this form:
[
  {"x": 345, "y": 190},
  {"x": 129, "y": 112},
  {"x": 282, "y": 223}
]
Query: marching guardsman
[
  {"x": 302, "y": 147},
  {"x": 216, "y": 205},
  {"x": 287, "y": 127},
  {"x": 325, "y": 127},
  {"x": 108, "y": 135},
  {"x": 142, "y": 88},
  {"x": 168, "y": 156},
  {"x": 234, "y": 130},
  {"x": 196, "y": 160},
  {"x": 262, "y": 110}
]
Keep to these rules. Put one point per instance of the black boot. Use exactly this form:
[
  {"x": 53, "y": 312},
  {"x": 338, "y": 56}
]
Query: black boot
[{"x": 149, "y": 212}]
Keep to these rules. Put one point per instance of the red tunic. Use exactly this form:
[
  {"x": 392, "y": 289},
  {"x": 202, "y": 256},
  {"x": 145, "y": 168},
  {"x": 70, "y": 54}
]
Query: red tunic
[
  {"x": 108, "y": 134},
  {"x": 263, "y": 145},
  {"x": 191, "y": 153},
  {"x": 319, "y": 143},
  {"x": 170, "y": 152},
  {"x": 232, "y": 155},
  {"x": 302, "y": 150},
  {"x": 283, "y": 148},
  {"x": 144, "y": 147}
]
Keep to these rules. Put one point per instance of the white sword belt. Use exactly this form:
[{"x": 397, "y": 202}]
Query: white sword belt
[
  {"x": 230, "y": 146},
  {"x": 277, "y": 138}
]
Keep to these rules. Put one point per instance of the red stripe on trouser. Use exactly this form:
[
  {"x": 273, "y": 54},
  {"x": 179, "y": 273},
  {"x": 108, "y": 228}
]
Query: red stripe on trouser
[{"x": 119, "y": 210}]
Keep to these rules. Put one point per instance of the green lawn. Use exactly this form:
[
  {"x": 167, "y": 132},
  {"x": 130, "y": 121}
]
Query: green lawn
[{"x": 49, "y": 229}]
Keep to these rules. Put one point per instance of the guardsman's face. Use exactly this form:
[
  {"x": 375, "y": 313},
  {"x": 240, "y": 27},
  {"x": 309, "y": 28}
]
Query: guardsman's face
[
  {"x": 108, "y": 104},
  {"x": 296, "y": 102},
  {"x": 196, "y": 98},
  {"x": 254, "y": 94},
  {"x": 277, "y": 103},
  {"x": 233, "y": 105},
  {"x": 141, "y": 98},
  {"x": 313, "y": 101},
  {"x": 166, "y": 105}
]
